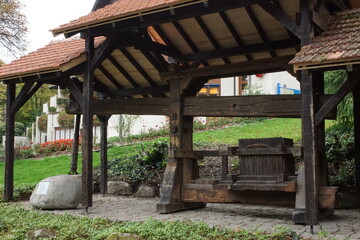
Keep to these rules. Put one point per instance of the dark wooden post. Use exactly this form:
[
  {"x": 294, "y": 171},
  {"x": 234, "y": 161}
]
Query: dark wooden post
[
  {"x": 9, "y": 144},
  {"x": 87, "y": 144},
  {"x": 75, "y": 146},
  {"x": 309, "y": 129},
  {"x": 356, "y": 99},
  {"x": 178, "y": 170},
  {"x": 320, "y": 130},
  {"x": 103, "y": 153}
]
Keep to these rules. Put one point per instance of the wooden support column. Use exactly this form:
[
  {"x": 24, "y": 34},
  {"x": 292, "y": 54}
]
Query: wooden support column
[
  {"x": 9, "y": 144},
  {"x": 75, "y": 146},
  {"x": 320, "y": 129},
  {"x": 103, "y": 153},
  {"x": 87, "y": 145},
  {"x": 178, "y": 170},
  {"x": 356, "y": 99},
  {"x": 309, "y": 130}
]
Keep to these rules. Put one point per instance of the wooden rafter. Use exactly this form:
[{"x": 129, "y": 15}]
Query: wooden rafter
[
  {"x": 110, "y": 77},
  {"x": 210, "y": 36},
  {"x": 281, "y": 16},
  {"x": 233, "y": 32},
  {"x": 258, "y": 27},
  {"x": 187, "y": 39}
]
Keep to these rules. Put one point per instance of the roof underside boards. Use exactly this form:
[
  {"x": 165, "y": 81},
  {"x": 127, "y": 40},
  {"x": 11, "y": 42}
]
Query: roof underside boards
[{"x": 339, "y": 45}]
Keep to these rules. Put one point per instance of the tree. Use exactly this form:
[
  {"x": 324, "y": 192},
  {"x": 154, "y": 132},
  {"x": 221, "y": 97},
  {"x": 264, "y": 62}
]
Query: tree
[
  {"x": 12, "y": 27},
  {"x": 333, "y": 81}
]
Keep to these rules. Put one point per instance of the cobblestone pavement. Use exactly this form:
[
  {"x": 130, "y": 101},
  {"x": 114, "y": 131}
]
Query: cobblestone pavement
[{"x": 345, "y": 224}]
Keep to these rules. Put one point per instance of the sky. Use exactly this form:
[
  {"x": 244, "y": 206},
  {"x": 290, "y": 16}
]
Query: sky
[{"x": 43, "y": 15}]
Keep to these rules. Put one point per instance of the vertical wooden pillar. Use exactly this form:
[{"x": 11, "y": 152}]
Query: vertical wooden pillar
[
  {"x": 356, "y": 99},
  {"x": 320, "y": 130},
  {"x": 103, "y": 153},
  {"x": 87, "y": 144},
  {"x": 178, "y": 170},
  {"x": 75, "y": 146},
  {"x": 9, "y": 144}
]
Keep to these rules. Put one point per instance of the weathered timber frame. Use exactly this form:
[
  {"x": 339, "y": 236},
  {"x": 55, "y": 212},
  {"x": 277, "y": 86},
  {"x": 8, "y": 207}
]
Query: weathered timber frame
[{"x": 180, "y": 76}]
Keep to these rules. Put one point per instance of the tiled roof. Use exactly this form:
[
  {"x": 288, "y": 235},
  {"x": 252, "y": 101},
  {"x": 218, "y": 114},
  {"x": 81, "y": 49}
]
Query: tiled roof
[
  {"x": 117, "y": 10},
  {"x": 47, "y": 59},
  {"x": 339, "y": 44}
]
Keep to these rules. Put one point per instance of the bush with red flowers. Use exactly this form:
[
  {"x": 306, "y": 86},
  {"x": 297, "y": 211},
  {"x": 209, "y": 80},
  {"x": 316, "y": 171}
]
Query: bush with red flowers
[
  {"x": 48, "y": 148},
  {"x": 65, "y": 120},
  {"x": 42, "y": 122}
]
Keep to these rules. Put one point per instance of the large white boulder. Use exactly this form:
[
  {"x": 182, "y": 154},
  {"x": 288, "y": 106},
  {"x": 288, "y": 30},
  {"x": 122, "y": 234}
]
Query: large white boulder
[{"x": 58, "y": 192}]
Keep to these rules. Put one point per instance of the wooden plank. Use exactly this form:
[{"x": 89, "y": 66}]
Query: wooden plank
[
  {"x": 155, "y": 90},
  {"x": 319, "y": 21},
  {"x": 206, "y": 193},
  {"x": 356, "y": 99},
  {"x": 346, "y": 87},
  {"x": 255, "y": 66},
  {"x": 87, "y": 139},
  {"x": 281, "y": 16},
  {"x": 9, "y": 144},
  {"x": 184, "y": 153}
]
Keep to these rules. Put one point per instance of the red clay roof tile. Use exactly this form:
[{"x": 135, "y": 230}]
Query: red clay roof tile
[
  {"x": 49, "y": 58},
  {"x": 116, "y": 10},
  {"x": 340, "y": 42}
]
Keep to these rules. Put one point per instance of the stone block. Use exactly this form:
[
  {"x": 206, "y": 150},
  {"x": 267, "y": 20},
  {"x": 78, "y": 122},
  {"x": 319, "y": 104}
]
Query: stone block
[
  {"x": 145, "y": 191},
  {"x": 118, "y": 188},
  {"x": 57, "y": 192}
]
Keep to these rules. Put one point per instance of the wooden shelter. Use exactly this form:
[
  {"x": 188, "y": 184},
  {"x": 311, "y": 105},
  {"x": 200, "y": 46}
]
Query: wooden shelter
[{"x": 152, "y": 57}]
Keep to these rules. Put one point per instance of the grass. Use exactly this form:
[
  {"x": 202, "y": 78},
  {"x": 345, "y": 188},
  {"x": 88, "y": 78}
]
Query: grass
[
  {"x": 34, "y": 170},
  {"x": 70, "y": 227}
]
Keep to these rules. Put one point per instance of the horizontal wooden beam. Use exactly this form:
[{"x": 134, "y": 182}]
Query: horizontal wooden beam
[
  {"x": 241, "y": 50},
  {"x": 242, "y": 106},
  {"x": 287, "y": 106},
  {"x": 136, "y": 91},
  {"x": 235, "y": 69}
]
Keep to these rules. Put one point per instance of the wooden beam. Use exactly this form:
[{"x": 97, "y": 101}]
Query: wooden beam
[
  {"x": 188, "y": 41},
  {"x": 75, "y": 146},
  {"x": 241, "y": 50},
  {"x": 288, "y": 106},
  {"x": 233, "y": 32},
  {"x": 9, "y": 144},
  {"x": 281, "y": 16},
  {"x": 155, "y": 90},
  {"x": 258, "y": 27},
  {"x": 19, "y": 100},
  {"x": 103, "y": 153},
  {"x": 347, "y": 87},
  {"x": 75, "y": 91},
  {"x": 164, "y": 17},
  {"x": 239, "y": 106},
  {"x": 104, "y": 50},
  {"x": 110, "y": 77},
  {"x": 87, "y": 140},
  {"x": 138, "y": 67},
  {"x": 356, "y": 100},
  {"x": 319, "y": 21},
  {"x": 210, "y": 36},
  {"x": 235, "y": 69}
]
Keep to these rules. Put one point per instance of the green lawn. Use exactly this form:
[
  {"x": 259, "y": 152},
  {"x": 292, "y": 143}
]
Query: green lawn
[{"x": 34, "y": 170}]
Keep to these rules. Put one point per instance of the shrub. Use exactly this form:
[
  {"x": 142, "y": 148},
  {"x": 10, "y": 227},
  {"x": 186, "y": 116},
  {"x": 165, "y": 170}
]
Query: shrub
[
  {"x": 24, "y": 153},
  {"x": 340, "y": 155},
  {"x": 144, "y": 167},
  {"x": 66, "y": 120},
  {"x": 19, "y": 129},
  {"x": 21, "y": 192},
  {"x": 42, "y": 122},
  {"x": 48, "y": 148}
]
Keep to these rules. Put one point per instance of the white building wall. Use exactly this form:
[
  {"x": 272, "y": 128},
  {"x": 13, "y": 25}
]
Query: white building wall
[
  {"x": 229, "y": 86},
  {"x": 269, "y": 81}
]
